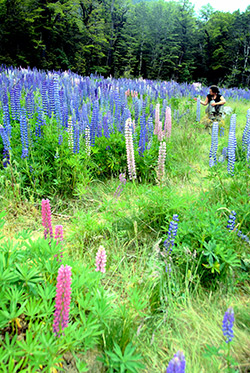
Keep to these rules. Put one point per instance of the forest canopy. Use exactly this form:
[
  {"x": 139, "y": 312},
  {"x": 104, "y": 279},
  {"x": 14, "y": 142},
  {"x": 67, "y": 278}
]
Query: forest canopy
[{"x": 152, "y": 39}]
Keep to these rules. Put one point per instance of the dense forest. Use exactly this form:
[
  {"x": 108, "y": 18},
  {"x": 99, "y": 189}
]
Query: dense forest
[{"x": 153, "y": 39}]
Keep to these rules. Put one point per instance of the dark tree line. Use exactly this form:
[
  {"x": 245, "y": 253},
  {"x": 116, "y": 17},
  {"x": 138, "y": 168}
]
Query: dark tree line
[{"x": 153, "y": 39}]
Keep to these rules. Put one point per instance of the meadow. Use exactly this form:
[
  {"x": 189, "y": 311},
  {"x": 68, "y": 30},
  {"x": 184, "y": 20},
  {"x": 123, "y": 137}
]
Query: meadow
[{"x": 125, "y": 188}]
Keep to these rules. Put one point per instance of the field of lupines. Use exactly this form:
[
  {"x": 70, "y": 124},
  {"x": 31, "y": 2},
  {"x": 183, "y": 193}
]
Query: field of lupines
[{"x": 147, "y": 267}]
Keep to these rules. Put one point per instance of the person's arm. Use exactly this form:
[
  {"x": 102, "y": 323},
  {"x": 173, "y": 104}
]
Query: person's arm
[
  {"x": 221, "y": 102},
  {"x": 203, "y": 102}
]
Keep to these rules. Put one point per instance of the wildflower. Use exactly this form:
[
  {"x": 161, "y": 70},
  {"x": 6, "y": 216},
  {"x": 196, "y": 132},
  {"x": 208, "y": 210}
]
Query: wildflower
[
  {"x": 246, "y": 132},
  {"x": 214, "y": 145},
  {"x": 87, "y": 141},
  {"x": 130, "y": 149},
  {"x": 46, "y": 218},
  {"x": 231, "y": 145},
  {"x": 63, "y": 296},
  {"x": 59, "y": 236},
  {"x": 24, "y": 133},
  {"x": 172, "y": 232},
  {"x": 161, "y": 161},
  {"x": 157, "y": 120},
  {"x": 70, "y": 134},
  {"x": 168, "y": 122},
  {"x": 198, "y": 110},
  {"x": 231, "y": 221},
  {"x": 101, "y": 260},
  {"x": 177, "y": 364},
  {"x": 227, "y": 324}
]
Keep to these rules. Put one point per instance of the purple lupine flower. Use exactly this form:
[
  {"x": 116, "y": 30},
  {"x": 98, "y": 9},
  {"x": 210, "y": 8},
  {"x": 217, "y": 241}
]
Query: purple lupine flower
[
  {"x": 172, "y": 232},
  {"x": 231, "y": 145},
  {"x": 87, "y": 141},
  {"x": 6, "y": 157},
  {"x": 227, "y": 324},
  {"x": 161, "y": 162},
  {"x": 143, "y": 131},
  {"x": 246, "y": 132},
  {"x": 24, "y": 133},
  {"x": 46, "y": 218},
  {"x": 198, "y": 110},
  {"x": 63, "y": 297},
  {"x": 5, "y": 138},
  {"x": 101, "y": 260},
  {"x": 231, "y": 221},
  {"x": 130, "y": 149},
  {"x": 59, "y": 236},
  {"x": 177, "y": 364},
  {"x": 214, "y": 145}
]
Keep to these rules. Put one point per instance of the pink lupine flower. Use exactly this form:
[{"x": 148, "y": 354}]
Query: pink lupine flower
[
  {"x": 63, "y": 297},
  {"x": 168, "y": 123},
  {"x": 157, "y": 119},
  {"x": 46, "y": 218},
  {"x": 101, "y": 260},
  {"x": 130, "y": 149},
  {"x": 59, "y": 236},
  {"x": 161, "y": 162}
]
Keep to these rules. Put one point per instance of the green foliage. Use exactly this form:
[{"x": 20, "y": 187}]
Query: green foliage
[{"x": 117, "y": 361}]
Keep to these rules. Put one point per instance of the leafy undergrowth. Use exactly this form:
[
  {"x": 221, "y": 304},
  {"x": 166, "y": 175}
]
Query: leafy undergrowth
[{"x": 135, "y": 310}]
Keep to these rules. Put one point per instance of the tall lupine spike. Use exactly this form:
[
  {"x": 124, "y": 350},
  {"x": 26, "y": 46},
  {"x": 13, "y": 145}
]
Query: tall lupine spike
[
  {"x": 6, "y": 119},
  {"x": 70, "y": 134},
  {"x": 24, "y": 133},
  {"x": 227, "y": 324},
  {"x": 87, "y": 141},
  {"x": 157, "y": 119},
  {"x": 51, "y": 97},
  {"x": 39, "y": 123},
  {"x": 17, "y": 100},
  {"x": 62, "y": 301},
  {"x": 29, "y": 101},
  {"x": 5, "y": 138},
  {"x": 172, "y": 232},
  {"x": 45, "y": 103},
  {"x": 246, "y": 132},
  {"x": 101, "y": 259},
  {"x": 160, "y": 172},
  {"x": 46, "y": 218},
  {"x": 198, "y": 110},
  {"x": 168, "y": 123},
  {"x": 76, "y": 135},
  {"x": 231, "y": 221},
  {"x": 94, "y": 122},
  {"x": 177, "y": 364},
  {"x": 150, "y": 127},
  {"x": 59, "y": 236},
  {"x": 143, "y": 133},
  {"x": 6, "y": 157},
  {"x": 130, "y": 149},
  {"x": 231, "y": 145},
  {"x": 214, "y": 145}
]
